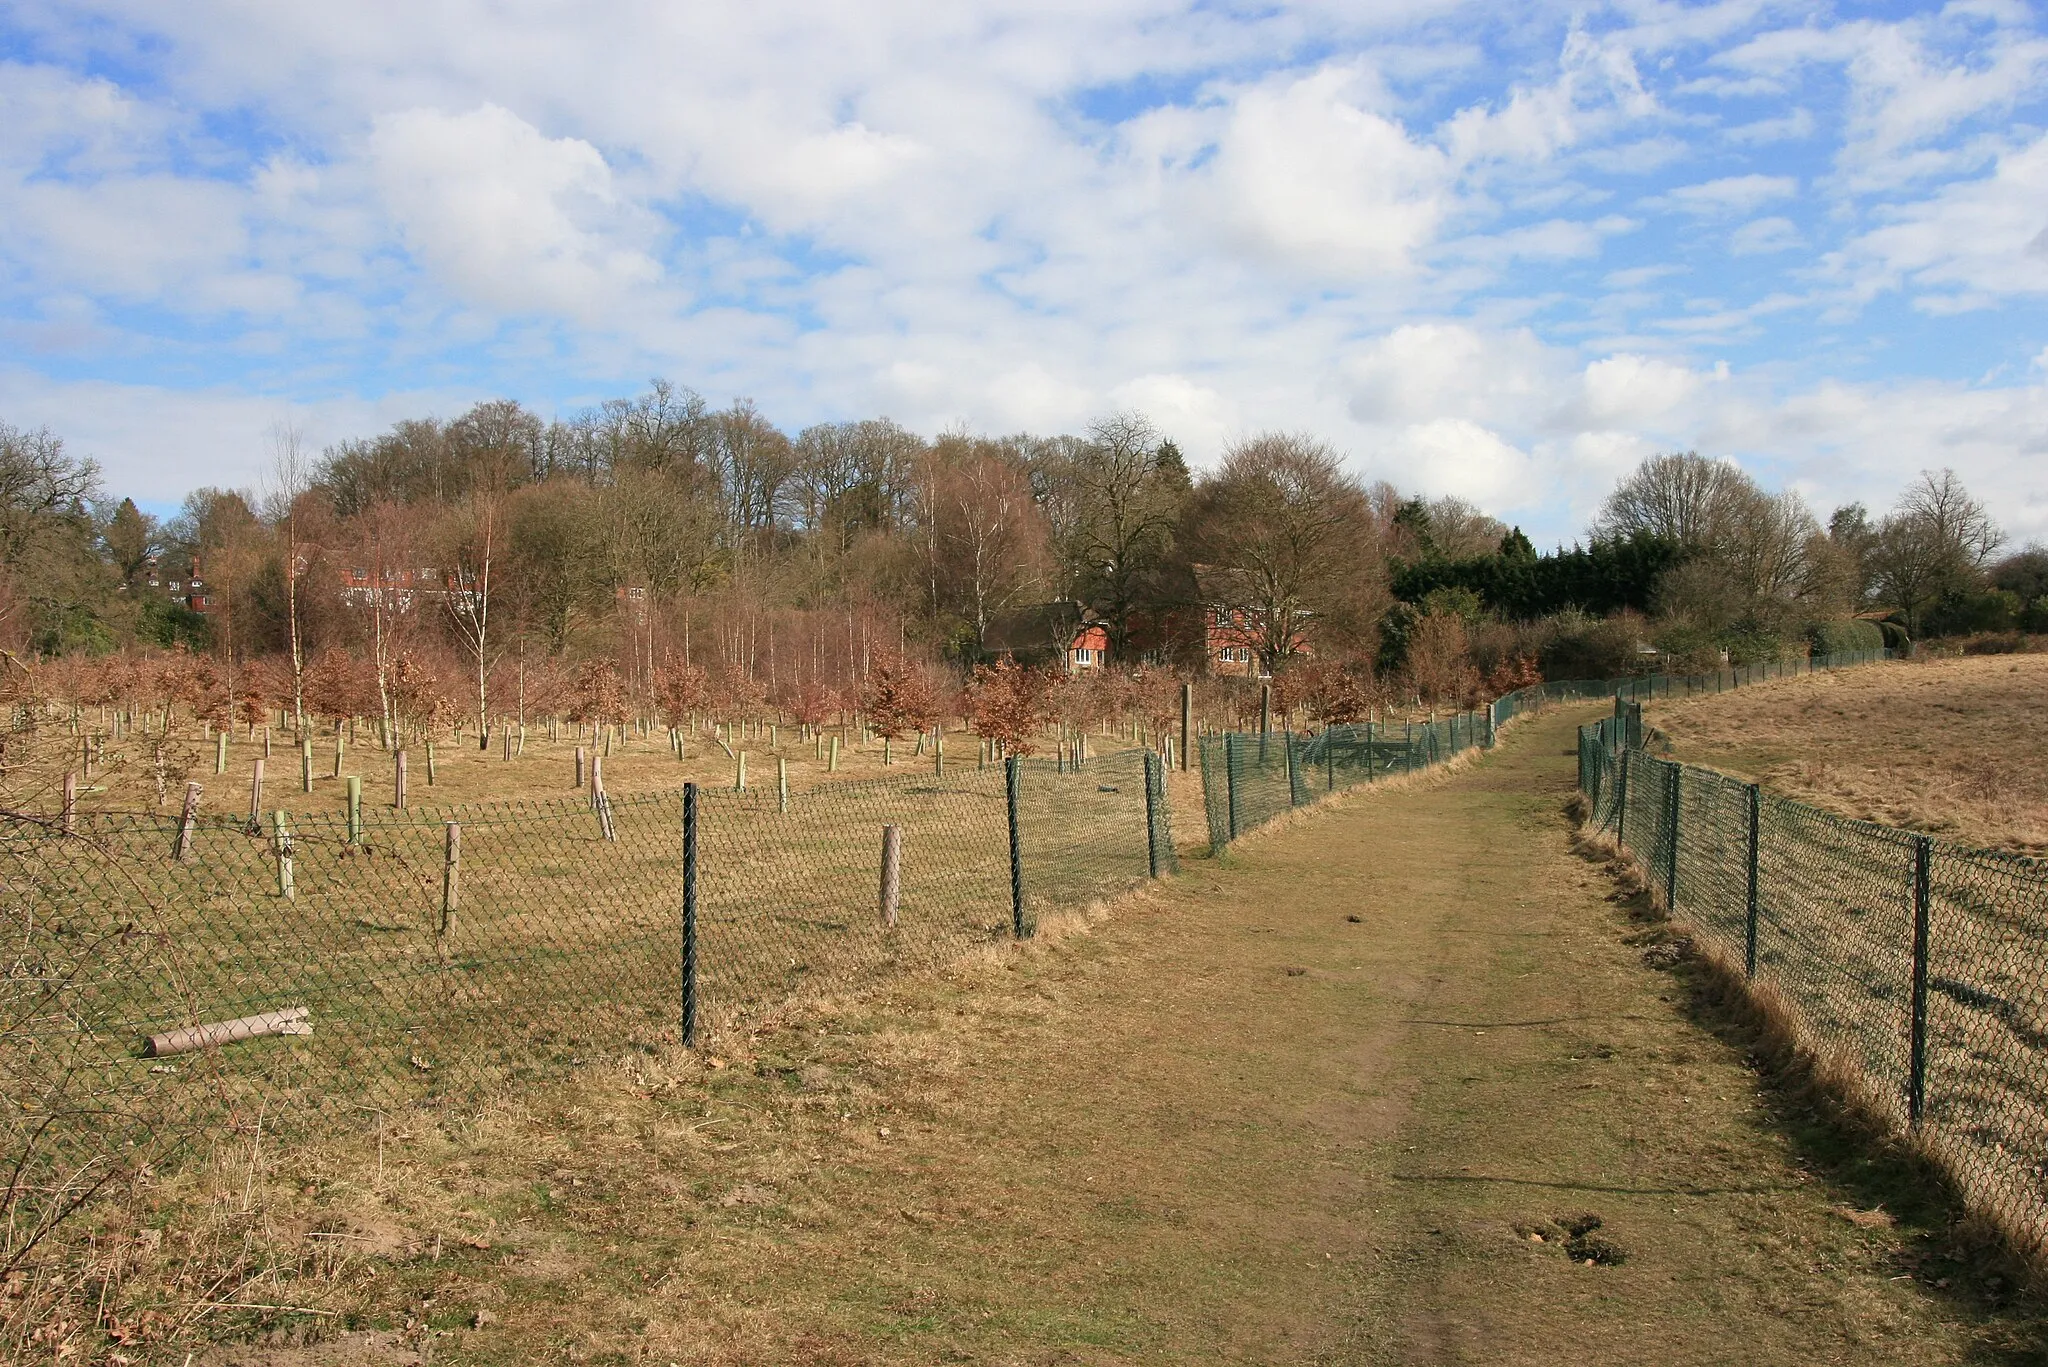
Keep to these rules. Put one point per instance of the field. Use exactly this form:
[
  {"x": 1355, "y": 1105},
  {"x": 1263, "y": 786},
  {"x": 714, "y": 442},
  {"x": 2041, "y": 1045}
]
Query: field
[
  {"x": 1952, "y": 747},
  {"x": 1294, "y": 1107}
]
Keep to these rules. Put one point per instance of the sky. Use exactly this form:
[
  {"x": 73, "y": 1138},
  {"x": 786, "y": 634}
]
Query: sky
[{"x": 1496, "y": 251}]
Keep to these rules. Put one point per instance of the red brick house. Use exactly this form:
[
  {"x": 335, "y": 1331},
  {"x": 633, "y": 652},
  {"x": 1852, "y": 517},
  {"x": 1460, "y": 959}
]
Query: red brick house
[{"x": 1233, "y": 632}]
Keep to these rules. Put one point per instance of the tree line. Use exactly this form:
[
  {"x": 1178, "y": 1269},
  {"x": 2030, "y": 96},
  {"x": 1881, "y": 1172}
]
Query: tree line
[{"x": 496, "y": 549}]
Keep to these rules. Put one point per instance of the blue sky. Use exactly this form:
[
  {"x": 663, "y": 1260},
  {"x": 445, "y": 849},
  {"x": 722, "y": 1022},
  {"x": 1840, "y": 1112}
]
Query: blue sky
[{"x": 1495, "y": 251}]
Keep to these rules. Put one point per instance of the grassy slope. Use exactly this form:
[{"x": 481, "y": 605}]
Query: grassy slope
[
  {"x": 1229, "y": 1124},
  {"x": 1953, "y": 747}
]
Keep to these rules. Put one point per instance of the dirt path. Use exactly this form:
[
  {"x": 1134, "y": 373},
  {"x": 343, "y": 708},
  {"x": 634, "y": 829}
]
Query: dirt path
[{"x": 1304, "y": 1106}]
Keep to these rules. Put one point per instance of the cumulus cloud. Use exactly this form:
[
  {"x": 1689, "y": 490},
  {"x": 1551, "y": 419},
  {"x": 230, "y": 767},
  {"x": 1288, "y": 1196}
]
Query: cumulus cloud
[
  {"x": 507, "y": 217},
  {"x": 1482, "y": 256},
  {"x": 1311, "y": 175},
  {"x": 1980, "y": 237}
]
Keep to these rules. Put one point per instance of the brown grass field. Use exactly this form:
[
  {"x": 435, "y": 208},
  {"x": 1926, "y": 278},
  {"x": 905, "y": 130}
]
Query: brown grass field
[
  {"x": 1956, "y": 748},
  {"x": 1360, "y": 1091}
]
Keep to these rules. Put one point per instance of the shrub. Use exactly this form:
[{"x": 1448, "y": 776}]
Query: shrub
[
  {"x": 1842, "y": 638},
  {"x": 1576, "y": 646},
  {"x": 1683, "y": 648}
]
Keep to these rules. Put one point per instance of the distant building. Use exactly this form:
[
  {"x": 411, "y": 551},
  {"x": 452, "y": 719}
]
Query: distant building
[
  {"x": 397, "y": 588},
  {"x": 1088, "y": 648},
  {"x": 1233, "y": 631}
]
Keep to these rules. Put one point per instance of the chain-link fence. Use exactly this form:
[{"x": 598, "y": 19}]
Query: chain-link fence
[
  {"x": 1248, "y": 778},
  {"x": 1919, "y": 963},
  {"x": 170, "y": 978}
]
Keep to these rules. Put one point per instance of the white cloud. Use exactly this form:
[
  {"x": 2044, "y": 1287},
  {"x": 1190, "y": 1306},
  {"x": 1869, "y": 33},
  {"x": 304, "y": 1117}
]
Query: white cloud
[
  {"x": 1763, "y": 235},
  {"x": 1629, "y": 391},
  {"x": 1976, "y": 237},
  {"x": 507, "y": 217},
  {"x": 1310, "y": 175},
  {"x": 1728, "y": 195},
  {"x": 1458, "y": 456}
]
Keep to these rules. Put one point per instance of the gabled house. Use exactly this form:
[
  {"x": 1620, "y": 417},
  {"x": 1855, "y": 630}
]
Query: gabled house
[
  {"x": 1050, "y": 633},
  {"x": 1234, "y": 631}
]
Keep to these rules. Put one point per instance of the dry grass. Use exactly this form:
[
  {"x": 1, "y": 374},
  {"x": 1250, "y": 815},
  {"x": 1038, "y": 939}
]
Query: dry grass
[
  {"x": 1304, "y": 1105},
  {"x": 1953, "y": 747}
]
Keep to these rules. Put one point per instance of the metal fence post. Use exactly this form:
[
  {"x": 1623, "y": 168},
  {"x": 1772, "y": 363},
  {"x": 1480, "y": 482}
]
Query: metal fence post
[
  {"x": 1621, "y": 801},
  {"x": 1154, "y": 779},
  {"x": 1187, "y": 716},
  {"x": 1751, "y": 897},
  {"x": 1916, "y": 1079},
  {"x": 1230, "y": 779},
  {"x": 1672, "y": 802},
  {"x": 1293, "y": 769},
  {"x": 689, "y": 915},
  {"x": 1012, "y": 791}
]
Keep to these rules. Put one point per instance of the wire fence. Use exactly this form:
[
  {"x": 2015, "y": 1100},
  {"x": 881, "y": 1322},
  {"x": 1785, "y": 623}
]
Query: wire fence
[
  {"x": 1919, "y": 963},
  {"x": 170, "y": 979},
  {"x": 1249, "y": 778}
]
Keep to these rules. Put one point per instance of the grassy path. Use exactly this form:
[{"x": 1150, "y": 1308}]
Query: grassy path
[{"x": 1305, "y": 1105}]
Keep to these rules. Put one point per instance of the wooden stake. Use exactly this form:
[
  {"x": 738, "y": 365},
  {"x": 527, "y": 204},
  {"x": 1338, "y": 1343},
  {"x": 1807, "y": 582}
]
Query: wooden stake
[
  {"x": 338, "y": 752},
  {"x": 579, "y": 768},
  {"x": 306, "y": 765},
  {"x": 739, "y": 782},
  {"x": 892, "y": 872},
  {"x": 281, "y": 845},
  {"x": 256, "y": 795},
  {"x": 398, "y": 779},
  {"x": 71, "y": 802},
  {"x": 220, "y": 753},
  {"x": 355, "y": 810},
  {"x": 430, "y": 763},
  {"x": 451, "y": 877},
  {"x": 183, "y": 850}
]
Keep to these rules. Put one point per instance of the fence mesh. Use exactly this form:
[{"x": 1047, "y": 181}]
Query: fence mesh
[
  {"x": 1248, "y": 778},
  {"x": 1916, "y": 962},
  {"x": 431, "y": 954}
]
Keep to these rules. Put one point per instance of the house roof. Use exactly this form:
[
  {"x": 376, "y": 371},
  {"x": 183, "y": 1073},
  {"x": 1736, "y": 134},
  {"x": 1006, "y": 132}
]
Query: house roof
[
  {"x": 1048, "y": 626},
  {"x": 1222, "y": 585}
]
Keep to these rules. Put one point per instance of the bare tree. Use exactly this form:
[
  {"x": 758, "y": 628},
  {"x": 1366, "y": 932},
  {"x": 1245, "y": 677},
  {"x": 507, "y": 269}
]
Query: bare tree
[
  {"x": 1124, "y": 518},
  {"x": 1935, "y": 543},
  {"x": 290, "y": 474},
  {"x": 1685, "y": 498},
  {"x": 987, "y": 537},
  {"x": 1294, "y": 536}
]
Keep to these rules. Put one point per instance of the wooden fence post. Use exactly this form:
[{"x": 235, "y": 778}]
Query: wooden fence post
[
  {"x": 451, "y": 877},
  {"x": 182, "y": 851},
  {"x": 281, "y": 845},
  {"x": 892, "y": 872}
]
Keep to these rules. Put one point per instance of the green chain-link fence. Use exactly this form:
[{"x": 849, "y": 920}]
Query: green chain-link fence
[
  {"x": 1248, "y": 778},
  {"x": 420, "y": 955},
  {"x": 1920, "y": 963}
]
